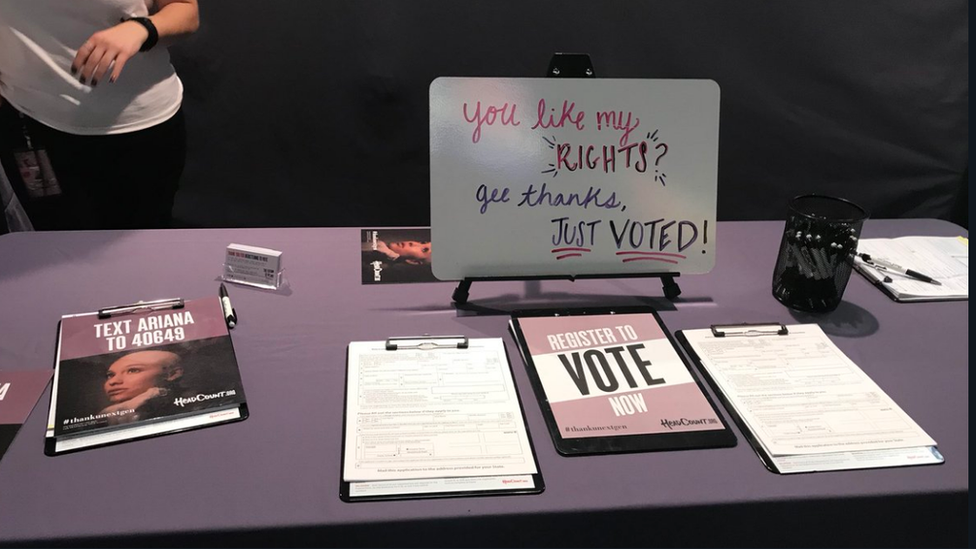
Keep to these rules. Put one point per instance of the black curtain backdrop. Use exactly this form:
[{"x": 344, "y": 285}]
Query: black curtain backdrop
[{"x": 315, "y": 113}]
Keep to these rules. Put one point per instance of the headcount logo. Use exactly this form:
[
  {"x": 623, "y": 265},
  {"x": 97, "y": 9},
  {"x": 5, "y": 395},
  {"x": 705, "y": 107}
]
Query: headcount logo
[
  {"x": 685, "y": 422},
  {"x": 181, "y": 401}
]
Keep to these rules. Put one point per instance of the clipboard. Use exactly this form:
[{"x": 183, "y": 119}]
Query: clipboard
[
  {"x": 936, "y": 255},
  {"x": 800, "y": 462},
  {"x": 139, "y": 306},
  {"x": 437, "y": 486},
  {"x": 653, "y": 433},
  {"x": 173, "y": 412},
  {"x": 744, "y": 329}
]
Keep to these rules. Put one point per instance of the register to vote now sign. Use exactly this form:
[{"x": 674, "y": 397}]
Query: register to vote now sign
[{"x": 536, "y": 176}]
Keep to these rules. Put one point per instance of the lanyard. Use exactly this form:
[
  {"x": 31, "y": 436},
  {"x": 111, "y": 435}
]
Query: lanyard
[{"x": 25, "y": 131}]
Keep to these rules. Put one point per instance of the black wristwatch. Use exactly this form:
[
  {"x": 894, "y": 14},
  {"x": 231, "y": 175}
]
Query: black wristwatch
[{"x": 150, "y": 28}]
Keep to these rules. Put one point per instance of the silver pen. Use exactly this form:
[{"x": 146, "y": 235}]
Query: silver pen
[{"x": 885, "y": 265}]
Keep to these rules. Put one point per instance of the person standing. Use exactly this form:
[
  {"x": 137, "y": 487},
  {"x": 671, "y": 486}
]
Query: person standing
[{"x": 90, "y": 109}]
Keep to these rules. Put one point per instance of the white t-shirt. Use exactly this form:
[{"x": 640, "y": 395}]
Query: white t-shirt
[{"x": 38, "y": 41}]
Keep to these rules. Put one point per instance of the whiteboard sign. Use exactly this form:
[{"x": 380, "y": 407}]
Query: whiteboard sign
[{"x": 554, "y": 177}]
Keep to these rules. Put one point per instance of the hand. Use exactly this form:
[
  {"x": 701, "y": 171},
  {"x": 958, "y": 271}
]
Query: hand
[{"x": 106, "y": 49}]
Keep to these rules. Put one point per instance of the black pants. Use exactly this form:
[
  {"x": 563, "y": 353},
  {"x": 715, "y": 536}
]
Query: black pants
[{"x": 123, "y": 181}]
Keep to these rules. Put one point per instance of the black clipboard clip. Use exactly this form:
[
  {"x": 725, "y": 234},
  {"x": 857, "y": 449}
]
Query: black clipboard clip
[
  {"x": 426, "y": 342},
  {"x": 749, "y": 329},
  {"x": 140, "y": 306}
]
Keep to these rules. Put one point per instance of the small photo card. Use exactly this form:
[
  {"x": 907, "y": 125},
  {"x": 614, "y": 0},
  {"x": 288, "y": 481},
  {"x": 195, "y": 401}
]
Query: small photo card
[{"x": 253, "y": 266}]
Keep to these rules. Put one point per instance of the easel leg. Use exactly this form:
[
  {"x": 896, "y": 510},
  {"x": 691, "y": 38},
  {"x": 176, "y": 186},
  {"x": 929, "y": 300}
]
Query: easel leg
[
  {"x": 460, "y": 295},
  {"x": 671, "y": 288}
]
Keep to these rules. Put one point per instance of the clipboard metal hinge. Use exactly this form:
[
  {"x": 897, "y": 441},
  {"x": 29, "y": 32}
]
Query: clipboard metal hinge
[
  {"x": 140, "y": 306},
  {"x": 426, "y": 342},
  {"x": 749, "y": 329}
]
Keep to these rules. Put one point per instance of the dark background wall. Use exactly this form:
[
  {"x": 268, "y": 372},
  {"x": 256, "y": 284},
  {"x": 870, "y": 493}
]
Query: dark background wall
[{"x": 315, "y": 113}]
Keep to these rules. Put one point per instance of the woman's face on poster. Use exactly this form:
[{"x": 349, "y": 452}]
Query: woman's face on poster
[
  {"x": 136, "y": 373},
  {"x": 412, "y": 250}
]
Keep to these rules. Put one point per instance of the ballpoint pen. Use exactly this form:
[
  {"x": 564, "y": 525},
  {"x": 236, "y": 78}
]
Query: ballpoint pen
[{"x": 884, "y": 265}]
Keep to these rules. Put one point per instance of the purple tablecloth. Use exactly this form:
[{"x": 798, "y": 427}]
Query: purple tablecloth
[{"x": 274, "y": 479}]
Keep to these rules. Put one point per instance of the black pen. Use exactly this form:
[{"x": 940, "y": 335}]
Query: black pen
[
  {"x": 230, "y": 315},
  {"x": 883, "y": 265}
]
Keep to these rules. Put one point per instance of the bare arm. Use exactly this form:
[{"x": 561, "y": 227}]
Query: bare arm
[
  {"x": 113, "y": 47},
  {"x": 176, "y": 18}
]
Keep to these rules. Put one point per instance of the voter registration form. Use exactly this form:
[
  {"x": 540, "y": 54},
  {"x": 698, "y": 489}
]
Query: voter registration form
[
  {"x": 430, "y": 417},
  {"x": 808, "y": 406}
]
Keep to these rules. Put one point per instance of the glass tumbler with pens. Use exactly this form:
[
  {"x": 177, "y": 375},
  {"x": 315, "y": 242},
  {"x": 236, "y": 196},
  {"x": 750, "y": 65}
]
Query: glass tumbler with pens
[{"x": 816, "y": 253}]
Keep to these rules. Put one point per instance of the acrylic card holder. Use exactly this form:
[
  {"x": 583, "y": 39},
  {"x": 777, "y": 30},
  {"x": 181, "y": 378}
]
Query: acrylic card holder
[{"x": 253, "y": 266}]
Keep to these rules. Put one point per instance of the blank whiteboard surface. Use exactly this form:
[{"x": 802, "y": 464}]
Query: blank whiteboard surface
[{"x": 553, "y": 177}]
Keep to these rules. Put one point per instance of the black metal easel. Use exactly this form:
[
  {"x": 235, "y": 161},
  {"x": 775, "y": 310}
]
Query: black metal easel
[{"x": 570, "y": 65}]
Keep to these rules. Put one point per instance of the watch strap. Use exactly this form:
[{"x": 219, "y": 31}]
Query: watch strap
[{"x": 153, "y": 37}]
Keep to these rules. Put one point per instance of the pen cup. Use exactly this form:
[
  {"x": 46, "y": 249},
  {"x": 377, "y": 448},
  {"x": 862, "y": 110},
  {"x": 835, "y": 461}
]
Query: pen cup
[{"x": 816, "y": 253}]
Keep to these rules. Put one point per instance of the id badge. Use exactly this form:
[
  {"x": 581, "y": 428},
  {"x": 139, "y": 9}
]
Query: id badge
[{"x": 37, "y": 173}]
